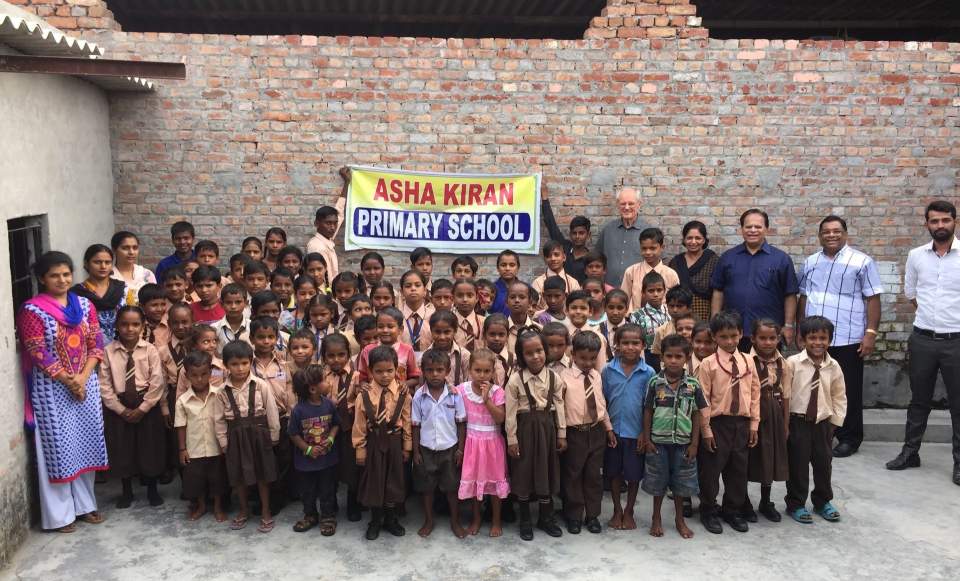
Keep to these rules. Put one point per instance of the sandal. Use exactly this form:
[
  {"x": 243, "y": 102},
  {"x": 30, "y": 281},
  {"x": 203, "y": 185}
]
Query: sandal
[
  {"x": 328, "y": 526},
  {"x": 828, "y": 512},
  {"x": 266, "y": 526},
  {"x": 238, "y": 523},
  {"x": 66, "y": 529},
  {"x": 802, "y": 515},
  {"x": 91, "y": 518},
  {"x": 305, "y": 524}
]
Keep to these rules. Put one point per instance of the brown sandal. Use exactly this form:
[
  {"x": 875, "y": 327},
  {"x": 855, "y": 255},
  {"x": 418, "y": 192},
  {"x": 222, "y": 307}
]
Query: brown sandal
[
  {"x": 66, "y": 529},
  {"x": 328, "y": 526},
  {"x": 305, "y": 524},
  {"x": 91, "y": 518}
]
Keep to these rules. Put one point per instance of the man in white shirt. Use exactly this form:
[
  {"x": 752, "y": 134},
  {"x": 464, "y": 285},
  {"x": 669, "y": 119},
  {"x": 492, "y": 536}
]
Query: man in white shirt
[
  {"x": 842, "y": 284},
  {"x": 932, "y": 283},
  {"x": 327, "y": 222}
]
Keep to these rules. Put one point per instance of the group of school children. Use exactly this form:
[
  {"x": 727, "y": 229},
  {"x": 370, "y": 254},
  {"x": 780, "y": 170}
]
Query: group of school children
[{"x": 287, "y": 376}]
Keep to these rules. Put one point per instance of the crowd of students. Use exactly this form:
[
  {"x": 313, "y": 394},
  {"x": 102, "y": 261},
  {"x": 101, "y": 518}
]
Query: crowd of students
[{"x": 284, "y": 377}]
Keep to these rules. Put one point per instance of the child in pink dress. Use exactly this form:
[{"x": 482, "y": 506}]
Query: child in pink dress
[{"x": 484, "y": 471}]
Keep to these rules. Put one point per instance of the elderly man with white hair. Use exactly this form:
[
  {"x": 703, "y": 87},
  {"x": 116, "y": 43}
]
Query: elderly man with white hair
[{"x": 619, "y": 239}]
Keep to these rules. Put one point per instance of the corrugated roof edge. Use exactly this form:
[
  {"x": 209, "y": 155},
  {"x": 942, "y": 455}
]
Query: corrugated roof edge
[{"x": 40, "y": 39}]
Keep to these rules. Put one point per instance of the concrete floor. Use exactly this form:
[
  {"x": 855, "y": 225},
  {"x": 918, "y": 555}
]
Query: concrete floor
[{"x": 895, "y": 525}]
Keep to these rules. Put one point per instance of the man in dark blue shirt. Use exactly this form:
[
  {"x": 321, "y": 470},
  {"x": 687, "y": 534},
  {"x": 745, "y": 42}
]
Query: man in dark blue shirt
[
  {"x": 182, "y": 235},
  {"x": 756, "y": 279}
]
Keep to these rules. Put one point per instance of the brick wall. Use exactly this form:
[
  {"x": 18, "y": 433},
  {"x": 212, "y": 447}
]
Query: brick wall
[
  {"x": 72, "y": 16},
  {"x": 647, "y": 19},
  {"x": 703, "y": 128}
]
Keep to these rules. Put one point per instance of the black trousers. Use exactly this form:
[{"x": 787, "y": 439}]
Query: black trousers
[
  {"x": 852, "y": 366},
  {"x": 809, "y": 444},
  {"x": 731, "y": 435},
  {"x": 580, "y": 469},
  {"x": 319, "y": 487},
  {"x": 927, "y": 357}
]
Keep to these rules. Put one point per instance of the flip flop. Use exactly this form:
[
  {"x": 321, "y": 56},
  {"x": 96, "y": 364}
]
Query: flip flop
[
  {"x": 238, "y": 523},
  {"x": 828, "y": 512},
  {"x": 91, "y": 518},
  {"x": 802, "y": 515},
  {"x": 266, "y": 526},
  {"x": 66, "y": 529}
]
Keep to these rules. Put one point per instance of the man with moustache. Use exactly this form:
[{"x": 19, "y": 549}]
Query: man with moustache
[
  {"x": 932, "y": 283},
  {"x": 842, "y": 284}
]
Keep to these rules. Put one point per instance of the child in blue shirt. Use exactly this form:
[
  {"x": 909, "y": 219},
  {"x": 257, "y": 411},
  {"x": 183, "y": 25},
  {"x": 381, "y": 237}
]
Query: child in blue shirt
[
  {"x": 313, "y": 427},
  {"x": 624, "y": 388}
]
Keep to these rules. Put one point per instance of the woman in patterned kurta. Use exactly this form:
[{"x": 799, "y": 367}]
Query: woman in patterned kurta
[
  {"x": 62, "y": 345},
  {"x": 126, "y": 251},
  {"x": 107, "y": 295}
]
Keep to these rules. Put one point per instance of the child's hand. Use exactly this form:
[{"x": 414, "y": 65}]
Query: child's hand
[
  {"x": 710, "y": 443},
  {"x": 514, "y": 450},
  {"x": 135, "y": 416},
  {"x": 458, "y": 457},
  {"x": 184, "y": 457},
  {"x": 645, "y": 446},
  {"x": 168, "y": 421},
  {"x": 417, "y": 458},
  {"x": 691, "y": 452},
  {"x": 406, "y": 457},
  {"x": 611, "y": 439},
  {"x": 753, "y": 439},
  {"x": 485, "y": 390},
  {"x": 561, "y": 444},
  {"x": 362, "y": 460}
]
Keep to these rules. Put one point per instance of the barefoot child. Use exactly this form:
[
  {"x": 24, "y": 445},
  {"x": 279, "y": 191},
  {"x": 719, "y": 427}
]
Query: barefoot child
[
  {"x": 439, "y": 432},
  {"x": 589, "y": 432},
  {"x": 671, "y": 434},
  {"x": 247, "y": 424},
  {"x": 383, "y": 440},
  {"x": 768, "y": 459},
  {"x": 131, "y": 386},
  {"x": 536, "y": 433},
  {"x": 204, "y": 473},
  {"x": 818, "y": 405},
  {"x": 484, "y": 470},
  {"x": 625, "y": 382},
  {"x": 732, "y": 390},
  {"x": 313, "y": 431}
]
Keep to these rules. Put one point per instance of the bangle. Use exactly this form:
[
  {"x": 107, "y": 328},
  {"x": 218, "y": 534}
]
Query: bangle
[
  {"x": 871, "y": 331},
  {"x": 308, "y": 450}
]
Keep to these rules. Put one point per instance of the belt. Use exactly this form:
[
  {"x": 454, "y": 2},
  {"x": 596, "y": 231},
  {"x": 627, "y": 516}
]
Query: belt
[
  {"x": 932, "y": 335},
  {"x": 584, "y": 427}
]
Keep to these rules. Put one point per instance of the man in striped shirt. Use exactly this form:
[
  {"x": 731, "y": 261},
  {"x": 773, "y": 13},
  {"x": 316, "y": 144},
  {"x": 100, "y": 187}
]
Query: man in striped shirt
[{"x": 843, "y": 285}]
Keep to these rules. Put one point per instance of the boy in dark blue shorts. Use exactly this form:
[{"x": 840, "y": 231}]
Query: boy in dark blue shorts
[
  {"x": 671, "y": 432},
  {"x": 624, "y": 387}
]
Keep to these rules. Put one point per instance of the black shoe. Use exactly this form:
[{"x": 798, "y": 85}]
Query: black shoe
[
  {"x": 526, "y": 530},
  {"x": 593, "y": 525},
  {"x": 748, "y": 514},
  {"x": 903, "y": 461},
  {"x": 154, "y": 497},
  {"x": 736, "y": 522},
  {"x": 353, "y": 508},
  {"x": 687, "y": 508},
  {"x": 125, "y": 501},
  {"x": 844, "y": 450},
  {"x": 573, "y": 526},
  {"x": 711, "y": 522},
  {"x": 769, "y": 510},
  {"x": 956, "y": 474},
  {"x": 391, "y": 524},
  {"x": 373, "y": 530},
  {"x": 548, "y": 524}
]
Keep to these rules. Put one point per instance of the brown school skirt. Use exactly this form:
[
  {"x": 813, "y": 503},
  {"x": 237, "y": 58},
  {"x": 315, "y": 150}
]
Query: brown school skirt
[
  {"x": 537, "y": 470},
  {"x": 250, "y": 456},
  {"x": 382, "y": 481},
  {"x": 204, "y": 476},
  {"x": 136, "y": 449},
  {"x": 768, "y": 459}
]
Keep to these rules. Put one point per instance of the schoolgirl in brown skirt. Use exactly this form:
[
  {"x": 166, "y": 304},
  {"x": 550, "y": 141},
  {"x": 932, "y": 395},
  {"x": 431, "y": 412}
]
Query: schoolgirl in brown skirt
[
  {"x": 536, "y": 432},
  {"x": 768, "y": 459},
  {"x": 383, "y": 439},
  {"x": 248, "y": 425},
  {"x": 131, "y": 386}
]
